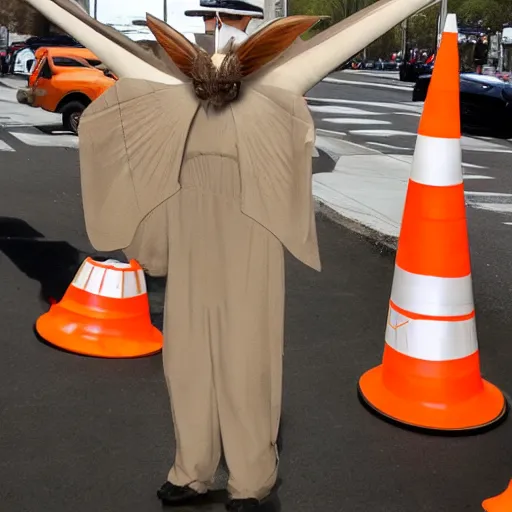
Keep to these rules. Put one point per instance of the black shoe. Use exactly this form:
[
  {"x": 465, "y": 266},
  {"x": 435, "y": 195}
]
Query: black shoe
[
  {"x": 175, "y": 495},
  {"x": 243, "y": 505}
]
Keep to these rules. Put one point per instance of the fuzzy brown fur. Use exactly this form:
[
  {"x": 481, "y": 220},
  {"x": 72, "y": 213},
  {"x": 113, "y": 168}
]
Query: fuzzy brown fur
[
  {"x": 217, "y": 87},
  {"x": 220, "y": 86}
]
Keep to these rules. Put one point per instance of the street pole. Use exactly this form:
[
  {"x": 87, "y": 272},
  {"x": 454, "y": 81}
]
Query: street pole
[
  {"x": 165, "y": 11},
  {"x": 443, "y": 13},
  {"x": 405, "y": 26}
]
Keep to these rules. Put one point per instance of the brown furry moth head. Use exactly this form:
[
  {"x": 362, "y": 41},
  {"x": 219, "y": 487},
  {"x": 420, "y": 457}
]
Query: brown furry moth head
[
  {"x": 217, "y": 79},
  {"x": 220, "y": 85}
]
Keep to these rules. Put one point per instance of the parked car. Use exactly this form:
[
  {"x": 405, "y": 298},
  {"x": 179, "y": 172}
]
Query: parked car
[
  {"x": 485, "y": 101},
  {"x": 411, "y": 71},
  {"x": 66, "y": 81}
]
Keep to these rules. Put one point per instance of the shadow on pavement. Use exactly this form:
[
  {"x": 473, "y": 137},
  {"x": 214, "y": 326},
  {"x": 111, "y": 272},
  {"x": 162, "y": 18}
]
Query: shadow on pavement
[{"x": 54, "y": 264}]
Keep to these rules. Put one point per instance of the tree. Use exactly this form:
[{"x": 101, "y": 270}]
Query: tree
[
  {"x": 20, "y": 18},
  {"x": 490, "y": 14}
]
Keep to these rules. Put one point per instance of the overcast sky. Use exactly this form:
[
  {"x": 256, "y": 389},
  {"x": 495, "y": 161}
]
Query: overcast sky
[{"x": 110, "y": 11}]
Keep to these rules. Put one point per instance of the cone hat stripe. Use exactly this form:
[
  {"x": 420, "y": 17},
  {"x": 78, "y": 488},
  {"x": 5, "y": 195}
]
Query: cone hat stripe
[
  {"x": 110, "y": 279},
  {"x": 431, "y": 340},
  {"x": 445, "y": 154},
  {"x": 430, "y": 371},
  {"x": 432, "y": 296}
]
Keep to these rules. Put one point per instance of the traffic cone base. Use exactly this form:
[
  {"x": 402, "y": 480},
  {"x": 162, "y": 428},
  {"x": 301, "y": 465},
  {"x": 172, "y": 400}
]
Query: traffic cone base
[
  {"x": 500, "y": 503},
  {"x": 432, "y": 395},
  {"x": 104, "y": 313}
]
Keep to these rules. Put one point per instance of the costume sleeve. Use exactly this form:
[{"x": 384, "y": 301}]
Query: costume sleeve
[
  {"x": 275, "y": 140},
  {"x": 150, "y": 245},
  {"x": 132, "y": 140}
]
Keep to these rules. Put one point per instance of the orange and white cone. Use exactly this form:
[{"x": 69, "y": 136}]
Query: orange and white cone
[
  {"x": 500, "y": 503},
  {"x": 430, "y": 374},
  {"x": 104, "y": 313}
]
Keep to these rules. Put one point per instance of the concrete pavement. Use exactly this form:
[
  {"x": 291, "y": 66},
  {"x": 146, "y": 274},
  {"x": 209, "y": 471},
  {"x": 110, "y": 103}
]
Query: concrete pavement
[
  {"x": 84, "y": 434},
  {"x": 80, "y": 434}
]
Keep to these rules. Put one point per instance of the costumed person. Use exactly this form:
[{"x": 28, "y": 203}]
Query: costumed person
[
  {"x": 235, "y": 16},
  {"x": 203, "y": 174}
]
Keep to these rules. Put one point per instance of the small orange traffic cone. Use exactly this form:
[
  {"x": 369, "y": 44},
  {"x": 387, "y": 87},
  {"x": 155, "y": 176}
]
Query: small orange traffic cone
[
  {"x": 430, "y": 373},
  {"x": 500, "y": 503},
  {"x": 104, "y": 313}
]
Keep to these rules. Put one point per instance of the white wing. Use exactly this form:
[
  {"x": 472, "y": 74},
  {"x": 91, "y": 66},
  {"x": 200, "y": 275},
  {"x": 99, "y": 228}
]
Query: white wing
[
  {"x": 121, "y": 55},
  {"x": 307, "y": 63}
]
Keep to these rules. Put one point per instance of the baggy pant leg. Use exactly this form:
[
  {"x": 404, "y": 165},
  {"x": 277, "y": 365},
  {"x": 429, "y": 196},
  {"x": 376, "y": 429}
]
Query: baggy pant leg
[
  {"x": 248, "y": 360},
  {"x": 188, "y": 373}
]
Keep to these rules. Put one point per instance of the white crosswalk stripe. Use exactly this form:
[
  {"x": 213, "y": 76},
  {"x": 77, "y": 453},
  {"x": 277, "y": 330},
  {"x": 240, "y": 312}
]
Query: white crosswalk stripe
[
  {"x": 5, "y": 147},
  {"x": 356, "y": 173}
]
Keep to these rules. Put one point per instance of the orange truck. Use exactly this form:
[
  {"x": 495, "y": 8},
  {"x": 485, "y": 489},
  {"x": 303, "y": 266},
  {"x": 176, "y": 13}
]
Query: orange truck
[{"x": 66, "y": 80}]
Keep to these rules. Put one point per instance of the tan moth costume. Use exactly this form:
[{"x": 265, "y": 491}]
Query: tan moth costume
[{"x": 201, "y": 170}]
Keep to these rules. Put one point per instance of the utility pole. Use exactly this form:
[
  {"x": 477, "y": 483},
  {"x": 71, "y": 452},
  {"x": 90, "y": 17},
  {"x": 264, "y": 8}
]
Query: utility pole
[
  {"x": 405, "y": 27},
  {"x": 165, "y": 11},
  {"x": 443, "y": 13},
  {"x": 269, "y": 10}
]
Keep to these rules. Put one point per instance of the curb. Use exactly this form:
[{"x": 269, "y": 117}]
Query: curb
[{"x": 385, "y": 243}]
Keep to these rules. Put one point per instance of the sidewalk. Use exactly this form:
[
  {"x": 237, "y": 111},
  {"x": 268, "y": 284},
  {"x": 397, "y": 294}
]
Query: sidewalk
[
  {"x": 367, "y": 188},
  {"x": 13, "y": 114},
  {"x": 13, "y": 82}
]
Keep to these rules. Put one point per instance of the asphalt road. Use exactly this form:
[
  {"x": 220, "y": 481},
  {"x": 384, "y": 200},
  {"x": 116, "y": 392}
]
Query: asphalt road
[{"x": 80, "y": 434}]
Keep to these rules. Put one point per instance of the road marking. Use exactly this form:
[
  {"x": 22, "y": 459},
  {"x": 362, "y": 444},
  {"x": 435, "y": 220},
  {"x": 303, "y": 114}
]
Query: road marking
[
  {"x": 477, "y": 177},
  {"x": 390, "y": 75},
  {"x": 488, "y": 194},
  {"x": 330, "y": 133},
  {"x": 488, "y": 150},
  {"x": 413, "y": 114},
  {"x": 393, "y": 106},
  {"x": 346, "y": 111},
  {"x": 5, "y": 147},
  {"x": 37, "y": 138},
  {"x": 348, "y": 120},
  {"x": 474, "y": 166},
  {"x": 494, "y": 207},
  {"x": 381, "y": 145},
  {"x": 367, "y": 84},
  {"x": 382, "y": 133}
]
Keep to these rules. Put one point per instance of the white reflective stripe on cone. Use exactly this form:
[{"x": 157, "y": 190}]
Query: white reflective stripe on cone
[
  {"x": 432, "y": 296},
  {"x": 431, "y": 340},
  {"x": 108, "y": 282},
  {"x": 437, "y": 161},
  {"x": 451, "y": 24}
]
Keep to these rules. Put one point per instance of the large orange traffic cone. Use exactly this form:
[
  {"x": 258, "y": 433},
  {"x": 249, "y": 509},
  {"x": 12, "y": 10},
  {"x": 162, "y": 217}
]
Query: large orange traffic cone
[
  {"x": 104, "y": 313},
  {"x": 430, "y": 373},
  {"x": 500, "y": 503}
]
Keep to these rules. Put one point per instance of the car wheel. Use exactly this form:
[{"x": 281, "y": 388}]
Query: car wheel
[{"x": 71, "y": 114}]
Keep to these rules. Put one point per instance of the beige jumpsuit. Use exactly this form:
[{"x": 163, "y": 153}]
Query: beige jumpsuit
[
  {"x": 224, "y": 310},
  {"x": 224, "y": 321}
]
